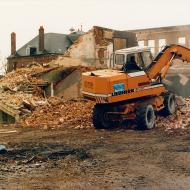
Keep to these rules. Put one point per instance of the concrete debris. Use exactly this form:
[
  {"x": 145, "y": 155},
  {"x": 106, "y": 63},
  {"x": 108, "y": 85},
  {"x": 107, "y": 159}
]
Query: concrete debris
[
  {"x": 78, "y": 114},
  {"x": 56, "y": 112},
  {"x": 17, "y": 104},
  {"x": 181, "y": 119},
  {"x": 17, "y": 80},
  {"x": 20, "y": 93}
]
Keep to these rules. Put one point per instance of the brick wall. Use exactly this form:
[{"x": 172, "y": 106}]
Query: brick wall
[{"x": 19, "y": 62}]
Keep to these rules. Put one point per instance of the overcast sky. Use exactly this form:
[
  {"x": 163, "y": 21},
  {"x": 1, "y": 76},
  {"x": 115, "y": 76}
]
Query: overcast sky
[{"x": 25, "y": 16}]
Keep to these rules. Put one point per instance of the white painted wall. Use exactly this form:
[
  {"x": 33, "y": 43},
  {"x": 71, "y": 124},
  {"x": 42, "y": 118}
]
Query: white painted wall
[
  {"x": 84, "y": 47},
  {"x": 108, "y": 54}
]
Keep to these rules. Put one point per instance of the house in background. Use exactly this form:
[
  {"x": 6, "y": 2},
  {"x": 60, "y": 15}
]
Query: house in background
[
  {"x": 42, "y": 49},
  {"x": 92, "y": 48}
]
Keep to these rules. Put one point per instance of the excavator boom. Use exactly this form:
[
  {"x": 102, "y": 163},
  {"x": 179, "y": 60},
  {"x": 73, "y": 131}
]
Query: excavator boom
[{"x": 161, "y": 64}]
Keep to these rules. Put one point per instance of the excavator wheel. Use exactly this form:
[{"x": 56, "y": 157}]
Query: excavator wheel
[
  {"x": 169, "y": 104},
  {"x": 145, "y": 117},
  {"x": 99, "y": 117}
]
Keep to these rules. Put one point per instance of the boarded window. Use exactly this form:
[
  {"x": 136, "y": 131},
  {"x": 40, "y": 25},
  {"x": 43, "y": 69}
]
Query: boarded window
[
  {"x": 181, "y": 40},
  {"x": 151, "y": 44},
  {"x": 162, "y": 43},
  {"x": 119, "y": 43},
  {"x": 141, "y": 43}
]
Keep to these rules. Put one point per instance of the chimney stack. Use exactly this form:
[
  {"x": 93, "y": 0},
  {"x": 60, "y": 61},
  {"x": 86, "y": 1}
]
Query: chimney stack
[
  {"x": 13, "y": 43},
  {"x": 41, "y": 38}
]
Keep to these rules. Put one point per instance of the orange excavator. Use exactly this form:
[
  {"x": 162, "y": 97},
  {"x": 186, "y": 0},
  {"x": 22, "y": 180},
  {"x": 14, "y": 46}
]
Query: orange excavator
[{"x": 133, "y": 88}]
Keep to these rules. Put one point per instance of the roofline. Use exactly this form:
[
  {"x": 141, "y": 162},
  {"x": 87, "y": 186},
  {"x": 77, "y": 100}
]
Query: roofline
[
  {"x": 36, "y": 55},
  {"x": 133, "y": 50},
  {"x": 36, "y": 37},
  {"x": 160, "y": 28}
]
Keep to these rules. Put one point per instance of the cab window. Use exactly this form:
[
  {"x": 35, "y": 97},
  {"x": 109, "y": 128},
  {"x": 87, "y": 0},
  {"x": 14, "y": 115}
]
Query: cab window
[
  {"x": 147, "y": 58},
  {"x": 119, "y": 59},
  {"x": 138, "y": 59}
]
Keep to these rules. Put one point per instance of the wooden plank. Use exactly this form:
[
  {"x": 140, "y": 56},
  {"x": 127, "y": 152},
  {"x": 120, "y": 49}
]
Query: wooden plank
[{"x": 9, "y": 110}]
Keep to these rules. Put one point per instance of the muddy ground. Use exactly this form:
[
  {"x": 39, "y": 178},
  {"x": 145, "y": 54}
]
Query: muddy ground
[{"x": 87, "y": 159}]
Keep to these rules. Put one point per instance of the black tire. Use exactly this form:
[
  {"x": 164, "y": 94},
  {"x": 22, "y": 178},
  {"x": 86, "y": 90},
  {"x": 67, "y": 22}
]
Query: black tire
[
  {"x": 145, "y": 117},
  {"x": 169, "y": 105},
  {"x": 99, "y": 117}
]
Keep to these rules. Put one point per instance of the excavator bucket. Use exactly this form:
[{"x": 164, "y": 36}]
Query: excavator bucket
[{"x": 178, "y": 79}]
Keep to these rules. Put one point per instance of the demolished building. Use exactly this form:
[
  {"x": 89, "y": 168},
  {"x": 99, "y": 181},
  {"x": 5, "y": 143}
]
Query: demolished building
[
  {"x": 92, "y": 48},
  {"x": 96, "y": 46},
  {"x": 65, "y": 54}
]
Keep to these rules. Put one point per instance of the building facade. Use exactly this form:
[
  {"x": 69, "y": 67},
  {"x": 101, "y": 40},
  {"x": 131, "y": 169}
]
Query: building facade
[{"x": 156, "y": 38}]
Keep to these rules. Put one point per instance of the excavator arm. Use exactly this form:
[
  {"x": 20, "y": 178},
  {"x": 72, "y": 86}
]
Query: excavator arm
[{"x": 161, "y": 64}]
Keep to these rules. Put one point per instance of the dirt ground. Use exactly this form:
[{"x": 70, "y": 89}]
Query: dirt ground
[{"x": 89, "y": 159}]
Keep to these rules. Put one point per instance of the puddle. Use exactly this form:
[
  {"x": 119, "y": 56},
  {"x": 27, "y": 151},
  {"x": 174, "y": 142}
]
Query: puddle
[{"x": 31, "y": 153}]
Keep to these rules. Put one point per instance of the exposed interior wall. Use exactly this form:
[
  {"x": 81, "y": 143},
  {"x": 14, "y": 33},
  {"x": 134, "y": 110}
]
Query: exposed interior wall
[
  {"x": 109, "y": 52},
  {"x": 103, "y": 40},
  {"x": 69, "y": 87},
  {"x": 95, "y": 47},
  {"x": 66, "y": 82},
  {"x": 83, "y": 49}
]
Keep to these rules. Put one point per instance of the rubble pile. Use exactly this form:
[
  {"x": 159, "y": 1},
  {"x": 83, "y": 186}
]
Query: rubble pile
[
  {"x": 56, "y": 112},
  {"x": 78, "y": 114},
  {"x": 22, "y": 102},
  {"x": 180, "y": 120},
  {"x": 22, "y": 77},
  {"x": 19, "y": 91},
  {"x": 21, "y": 97}
]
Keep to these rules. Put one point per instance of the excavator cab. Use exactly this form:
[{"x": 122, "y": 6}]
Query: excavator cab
[{"x": 131, "y": 59}]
